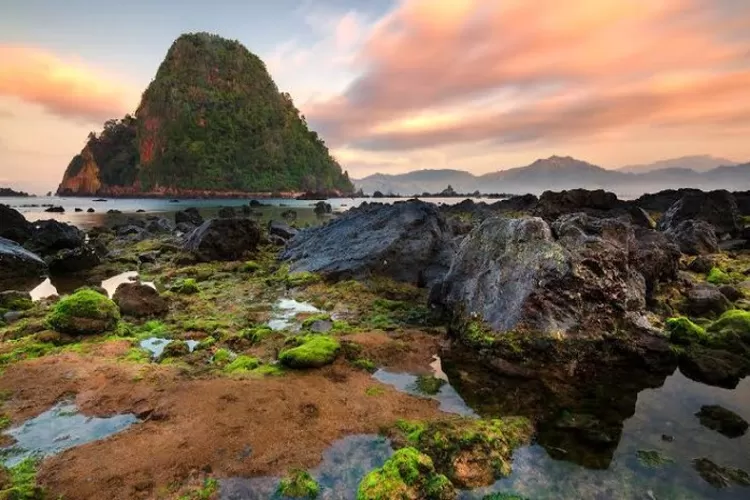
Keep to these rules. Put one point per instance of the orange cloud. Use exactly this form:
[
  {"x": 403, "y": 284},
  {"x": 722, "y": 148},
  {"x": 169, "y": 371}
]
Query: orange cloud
[
  {"x": 558, "y": 69},
  {"x": 63, "y": 87}
]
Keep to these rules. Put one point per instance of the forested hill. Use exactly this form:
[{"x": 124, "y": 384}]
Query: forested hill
[{"x": 212, "y": 122}]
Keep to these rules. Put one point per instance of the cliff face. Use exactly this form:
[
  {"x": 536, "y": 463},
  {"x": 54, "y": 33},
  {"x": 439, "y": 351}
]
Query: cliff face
[{"x": 211, "y": 123}]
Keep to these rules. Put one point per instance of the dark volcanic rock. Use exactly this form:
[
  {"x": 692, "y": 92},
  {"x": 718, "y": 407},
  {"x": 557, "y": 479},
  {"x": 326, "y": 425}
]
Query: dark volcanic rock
[
  {"x": 705, "y": 300},
  {"x": 718, "y": 208},
  {"x": 406, "y": 241},
  {"x": 703, "y": 264},
  {"x": 722, "y": 421},
  {"x": 713, "y": 367},
  {"x": 90, "y": 210},
  {"x": 718, "y": 476},
  {"x": 140, "y": 301},
  {"x": 695, "y": 237},
  {"x": 51, "y": 236},
  {"x": 661, "y": 201},
  {"x": 282, "y": 230},
  {"x": 159, "y": 225},
  {"x": 13, "y": 225},
  {"x": 656, "y": 256},
  {"x": 17, "y": 262},
  {"x": 522, "y": 203},
  {"x": 322, "y": 208},
  {"x": 223, "y": 239},
  {"x": 73, "y": 260},
  {"x": 188, "y": 216},
  {"x": 731, "y": 293},
  {"x": 227, "y": 212},
  {"x": 55, "y": 210},
  {"x": 552, "y": 204}
]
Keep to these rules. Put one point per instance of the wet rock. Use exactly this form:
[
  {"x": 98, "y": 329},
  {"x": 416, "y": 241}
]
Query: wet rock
[
  {"x": 284, "y": 231},
  {"x": 407, "y": 241},
  {"x": 12, "y": 316},
  {"x": 718, "y": 208},
  {"x": 227, "y": 212},
  {"x": 713, "y": 367},
  {"x": 90, "y": 211},
  {"x": 159, "y": 225},
  {"x": 78, "y": 210},
  {"x": 51, "y": 236},
  {"x": 322, "y": 208},
  {"x": 723, "y": 421},
  {"x": 588, "y": 428},
  {"x": 188, "y": 216},
  {"x": 17, "y": 262},
  {"x": 276, "y": 240},
  {"x": 656, "y": 256},
  {"x": 731, "y": 293},
  {"x": 705, "y": 300},
  {"x": 56, "y": 209},
  {"x": 184, "y": 227},
  {"x": 223, "y": 239},
  {"x": 321, "y": 326},
  {"x": 73, "y": 260},
  {"x": 718, "y": 476},
  {"x": 140, "y": 301},
  {"x": 148, "y": 257},
  {"x": 695, "y": 237},
  {"x": 703, "y": 264},
  {"x": 13, "y": 225}
]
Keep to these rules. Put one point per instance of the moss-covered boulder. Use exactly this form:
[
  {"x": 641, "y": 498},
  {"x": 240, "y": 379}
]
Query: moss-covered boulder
[
  {"x": 84, "y": 312},
  {"x": 298, "y": 484},
  {"x": 684, "y": 332},
  {"x": 311, "y": 351},
  {"x": 408, "y": 474}
]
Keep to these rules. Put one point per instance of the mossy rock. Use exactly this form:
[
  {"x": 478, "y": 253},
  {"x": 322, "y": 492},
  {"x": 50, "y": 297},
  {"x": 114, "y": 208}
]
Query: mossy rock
[
  {"x": 734, "y": 323},
  {"x": 175, "y": 349},
  {"x": 187, "y": 286},
  {"x": 242, "y": 364},
  {"x": 84, "y": 312},
  {"x": 429, "y": 385},
  {"x": 19, "y": 482},
  {"x": 312, "y": 351},
  {"x": 682, "y": 331},
  {"x": 407, "y": 474},
  {"x": 299, "y": 484},
  {"x": 718, "y": 277}
]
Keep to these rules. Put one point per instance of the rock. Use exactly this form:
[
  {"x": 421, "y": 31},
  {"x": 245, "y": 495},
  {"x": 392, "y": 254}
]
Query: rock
[
  {"x": 713, "y": 367},
  {"x": 290, "y": 215},
  {"x": 175, "y": 349},
  {"x": 58, "y": 210},
  {"x": 705, "y": 300},
  {"x": 405, "y": 241},
  {"x": 523, "y": 203},
  {"x": 256, "y": 203},
  {"x": 321, "y": 326},
  {"x": 322, "y": 208},
  {"x": 552, "y": 204},
  {"x": 78, "y": 209},
  {"x": 140, "y": 211},
  {"x": 703, "y": 264},
  {"x": 723, "y": 421},
  {"x": 148, "y": 257},
  {"x": 718, "y": 476},
  {"x": 227, "y": 212},
  {"x": 656, "y": 256},
  {"x": 51, "y": 236},
  {"x": 223, "y": 239},
  {"x": 139, "y": 301},
  {"x": 84, "y": 312},
  {"x": 15, "y": 300},
  {"x": 311, "y": 351},
  {"x": 695, "y": 237},
  {"x": 284, "y": 231},
  {"x": 17, "y": 262},
  {"x": 12, "y": 316},
  {"x": 718, "y": 208},
  {"x": 189, "y": 216},
  {"x": 731, "y": 293},
  {"x": 113, "y": 211},
  {"x": 184, "y": 227},
  {"x": 661, "y": 201},
  {"x": 13, "y": 225},
  {"x": 73, "y": 260},
  {"x": 159, "y": 225},
  {"x": 277, "y": 240},
  {"x": 90, "y": 210}
]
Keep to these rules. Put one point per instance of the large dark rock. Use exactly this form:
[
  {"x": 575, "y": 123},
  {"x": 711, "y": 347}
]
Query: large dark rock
[
  {"x": 695, "y": 237},
  {"x": 656, "y": 256},
  {"x": 13, "y": 225},
  {"x": 188, "y": 216},
  {"x": 227, "y": 212},
  {"x": 553, "y": 204},
  {"x": 51, "y": 236},
  {"x": 16, "y": 262},
  {"x": 723, "y": 421},
  {"x": 705, "y": 300},
  {"x": 322, "y": 208},
  {"x": 140, "y": 301},
  {"x": 223, "y": 239},
  {"x": 159, "y": 225},
  {"x": 282, "y": 230},
  {"x": 661, "y": 201},
  {"x": 713, "y": 367},
  {"x": 521, "y": 203},
  {"x": 718, "y": 208},
  {"x": 73, "y": 260},
  {"x": 407, "y": 241}
]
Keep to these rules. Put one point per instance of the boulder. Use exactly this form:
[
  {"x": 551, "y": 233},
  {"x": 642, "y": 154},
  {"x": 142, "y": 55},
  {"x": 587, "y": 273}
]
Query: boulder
[
  {"x": 713, "y": 366},
  {"x": 718, "y": 208},
  {"x": 705, "y": 300},
  {"x": 553, "y": 204},
  {"x": 522, "y": 203},
  {"x": 90, "y": 211},
  {"x": 282, "y": 230},
  {"x": 656, "y": 256},
  {"x": 227, "y": 212},
  {"x": 188, "y": 216},
  {"x": 223, "y": 239},
  {"x": 51, "y": 236},
  {"x": 322, "y": 208},
  {"x": 732, "y": 293},
  {"x": 140, "y": 301},
  {"x": 723, "y": 421},
  {"x": 17, "y": 262},
  {"x": 661, "y": 201},
  {"x": 13, "y": 225},
  {"x": 159, "y": 225},
  {"x": 703, "y": 264},
  {"x": 290, "y": 215},
  {"x": 55, "y": 210},
  {"x": 84, "y": 312},
  {"x": 73, "y": 260},
  {"x": 406, "y": 241},
  {"x": 695, "y": 237},
  {"x": 15, "y": 300}
]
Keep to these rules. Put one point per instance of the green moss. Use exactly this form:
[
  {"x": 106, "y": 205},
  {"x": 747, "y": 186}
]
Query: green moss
[
  {"x": 302, "y": 279},
  {"x": 429, "y": 385},
  {"x": 412, "y": 430},
  {"x": 188, "y": 286},
  {"x": 374, "y": 390},
  {"x": 222, "y": 357},
  {"x": 25, "y": 349},
  {"x": 257, "y": 334},
  {"x": 308, "y": 322},
  {"x": 653, "y": 459},
  {"x": 407, "y": 474},
  {"x": 735, "y": 321},
  {"x": 84, "y": 312},
  {"x": 382, "y": 322},
  {"x": 503, "y": 496},
  {"x": 270, "y": 370},
  {"x": 23, "y": 484},
  {"x": 242, "y": 364},
  {"x": 153, "y": 328},
  {"x": 17, "y": 304},
  {"x": 4, "y": 422},
  {"x": 718, "y": 277},
  {"x": 205, "y": 343},
  {"x": 137, "y": 355},
  {"x": 299, "y": 484},
  {"x": 684, "y": 332},
  {"x": 312, "y": 351},
  {"x": 365, "y": 364},
  {"x": 250, "y": 267},
  {"x": 477, "y": 334}
]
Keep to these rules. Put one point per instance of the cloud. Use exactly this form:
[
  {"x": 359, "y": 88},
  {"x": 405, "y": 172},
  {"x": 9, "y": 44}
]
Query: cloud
[
  {"x": 65, "y": 87},
  {"x": 461, "y": 71}
]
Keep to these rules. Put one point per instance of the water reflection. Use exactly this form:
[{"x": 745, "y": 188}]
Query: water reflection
[{"x": 286, "y": 310}]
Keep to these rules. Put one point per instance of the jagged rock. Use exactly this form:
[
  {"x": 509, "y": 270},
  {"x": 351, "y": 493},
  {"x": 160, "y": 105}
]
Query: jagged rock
[
  {"x": 55, "y": 210},
  {"x": 695, "y": 237},
  {"x": 148, "y": 257},
  {"x": 552, "y": 204},
  {"x": 705, "y": 300},
  {"x": 656, "y": 256},
  {"x": 661, "y": 201},
  {"x": 188, "y": 216},
  {"x": 731, "y": 293},
  {"x": 713, "y": 367},
  {"x": 284, "y": 231},
  {"x": 223, "y": 239},
  {"x": 140, "y": 301},
  {"x": 406, "y": 241},
  {"x": 719, "y": 476},
  {"x": 13, "y": 225},
  {"x": 17, "y": 262},
  {"x": 159, "y": 225},
  {"x": 523, "y": 203},
  {"x": 73, "y": 260},
  {"x": 322, "y": 208},
  {"x": 51, "y": 236},
  {"x": 227, "y": 212},
  {"x": 723, "y": 421},
  {"x": 718, "y": 208},
  {"x": 703, "y": 264}
]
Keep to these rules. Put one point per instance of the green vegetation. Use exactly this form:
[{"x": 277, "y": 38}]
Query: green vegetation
[
  {"x": 222, "y": 357},
  {"x": 734, "y": 322},
  {"x": 26, "y": 349},
  {"x": 718, "y": 277},
  {"x": 188, "y": 286},
  {"x": 503, "y": 496},
  {"x": 407, "y": 474},
  {"x": 301, "y": 279},
  {"x": 256, "y": 334},
  {"x": 299, "y": 484},
  {"x": 84, "y": 312},
  {"x": 242, "y": 364},
  {"x": 312, "y": 351},
  {"x": 374, "y": 390},
  {"x": 365, "y": 364},
  {"x": 206, "y": 492},
  {"x": 22, "y": 483},
  {"x": 429, "y": 385},
  {"x": 653, "y": 459},
  {"x": 684, "y": 332}
]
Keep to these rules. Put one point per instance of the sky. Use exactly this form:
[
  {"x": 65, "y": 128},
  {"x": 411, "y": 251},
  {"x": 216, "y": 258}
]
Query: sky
[{"x": 400, "y": 85}]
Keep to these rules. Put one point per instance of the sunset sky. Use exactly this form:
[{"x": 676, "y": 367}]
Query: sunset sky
[{"x": 393, "y": 86}]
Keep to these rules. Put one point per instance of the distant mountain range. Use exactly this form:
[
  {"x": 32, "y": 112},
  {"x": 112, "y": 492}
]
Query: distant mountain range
[{"x": 557, "y": 173}]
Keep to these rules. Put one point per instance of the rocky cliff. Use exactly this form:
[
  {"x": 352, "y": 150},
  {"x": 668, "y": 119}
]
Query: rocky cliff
[{"x": 211, "y": 123}]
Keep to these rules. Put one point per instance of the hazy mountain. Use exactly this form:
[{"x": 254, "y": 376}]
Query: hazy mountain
[
  {"x": 557, "y": 173},
  {"x": 698, "y": 163}
]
